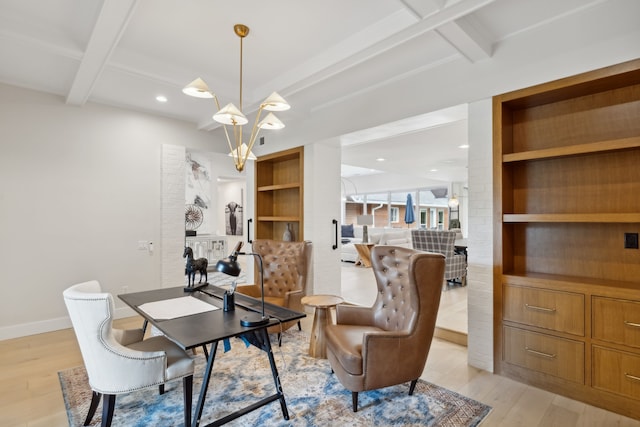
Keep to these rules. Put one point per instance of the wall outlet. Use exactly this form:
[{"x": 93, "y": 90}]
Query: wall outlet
[
  {"x": 142, "y": 245},
  {"x": 631, "y": 240}
]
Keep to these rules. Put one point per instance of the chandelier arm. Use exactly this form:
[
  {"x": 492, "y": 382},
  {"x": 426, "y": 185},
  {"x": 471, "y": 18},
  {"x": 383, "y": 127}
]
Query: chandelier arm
[
  {"x": 250, "y": 147},
  {"x": 255, "y": 129},
  {"x": 237, "y": 159}
]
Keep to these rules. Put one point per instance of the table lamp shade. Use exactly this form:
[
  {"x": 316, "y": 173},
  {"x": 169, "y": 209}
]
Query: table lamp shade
[
  {"x": 230, "y": 267},
  {"x": 365, "y": 220}
]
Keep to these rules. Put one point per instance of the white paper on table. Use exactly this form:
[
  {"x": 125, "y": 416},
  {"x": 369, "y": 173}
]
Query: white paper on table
[{"x": 176, "y": 307}]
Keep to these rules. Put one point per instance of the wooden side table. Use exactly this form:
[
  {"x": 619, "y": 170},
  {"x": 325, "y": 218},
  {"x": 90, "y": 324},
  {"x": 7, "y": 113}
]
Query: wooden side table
[
  {"x": 322, "y": 318},
  {"x": 364, "y": 254}
]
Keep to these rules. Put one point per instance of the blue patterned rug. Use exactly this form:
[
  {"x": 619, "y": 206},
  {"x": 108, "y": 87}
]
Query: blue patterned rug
[{"x": 314, "y": 396}]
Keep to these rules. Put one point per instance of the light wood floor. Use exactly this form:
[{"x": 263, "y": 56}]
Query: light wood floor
[{"x": 30, "y": 392}]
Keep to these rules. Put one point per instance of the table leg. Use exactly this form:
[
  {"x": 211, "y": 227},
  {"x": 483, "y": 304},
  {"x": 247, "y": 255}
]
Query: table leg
[
  {"x": 260, "y": 339},
  {"x": 205, "y": 384},
  {"x": 276, "y": 376},
  {"x": 317, "y": 345}
]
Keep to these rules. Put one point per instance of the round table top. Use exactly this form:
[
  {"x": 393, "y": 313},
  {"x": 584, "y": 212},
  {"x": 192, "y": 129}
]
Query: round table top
[{"x": 322, "y": 300}]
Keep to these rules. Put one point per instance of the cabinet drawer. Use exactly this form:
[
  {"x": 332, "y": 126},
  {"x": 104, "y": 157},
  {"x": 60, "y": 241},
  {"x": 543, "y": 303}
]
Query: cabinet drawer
[
  {"x": 616, "y": 371},
  {"x": 543, "y": 353},
  {"x": 557, "y": 311},
  {"x": 616, "y": 321}
]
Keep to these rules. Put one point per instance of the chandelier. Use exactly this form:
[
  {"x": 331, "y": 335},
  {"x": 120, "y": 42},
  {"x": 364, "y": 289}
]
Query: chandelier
[{"x": 233, "y": 116}]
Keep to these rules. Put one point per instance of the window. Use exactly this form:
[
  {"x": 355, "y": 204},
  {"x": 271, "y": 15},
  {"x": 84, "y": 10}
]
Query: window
[
  {"x": 394, "y": 214},
  {"x": 423, "y": 218}
]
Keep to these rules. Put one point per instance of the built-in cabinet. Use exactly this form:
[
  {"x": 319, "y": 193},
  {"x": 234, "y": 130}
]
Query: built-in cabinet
[
  {"x": 279, "y": 194},
  {"x": 567, "y": 186}
]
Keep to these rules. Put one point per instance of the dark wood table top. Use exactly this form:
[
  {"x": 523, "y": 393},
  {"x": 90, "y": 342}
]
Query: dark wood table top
[{"x": 198, "y": 329}]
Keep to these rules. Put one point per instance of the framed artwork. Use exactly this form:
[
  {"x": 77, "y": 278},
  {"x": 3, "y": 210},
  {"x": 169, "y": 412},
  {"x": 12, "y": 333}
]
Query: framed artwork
[{"x": 233, "y": 219}]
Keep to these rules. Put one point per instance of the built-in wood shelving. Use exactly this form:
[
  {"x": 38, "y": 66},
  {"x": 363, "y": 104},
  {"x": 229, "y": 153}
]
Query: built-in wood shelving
[
  {"x": 280, "y": 194},
  {"x": 566, "y": 180}
]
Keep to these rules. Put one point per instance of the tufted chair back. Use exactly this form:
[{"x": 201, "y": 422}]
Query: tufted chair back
[
  {"x": 396, "y": 306},
  {"x": 286, "y": 269},
  {"x": 388, "y": 343}
]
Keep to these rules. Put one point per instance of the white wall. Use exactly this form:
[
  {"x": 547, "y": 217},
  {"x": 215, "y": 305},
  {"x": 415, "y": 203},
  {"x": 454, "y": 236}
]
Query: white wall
[
  {"x": 480, "y": 237},
  {"x": 321, "y": 205},
  {"x": 79, "y": 187}
]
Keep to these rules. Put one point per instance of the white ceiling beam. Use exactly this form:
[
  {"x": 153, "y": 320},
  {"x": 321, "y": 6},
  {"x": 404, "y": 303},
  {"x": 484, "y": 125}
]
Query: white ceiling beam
[
  {"x": 449, "y": 14},
  {"x": 310, "y": 73},
  {"x": 466, "y": 39},
  {"x": 110, "y": 25}
]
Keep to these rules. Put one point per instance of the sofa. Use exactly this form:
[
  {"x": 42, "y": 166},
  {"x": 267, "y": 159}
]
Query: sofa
[{"x": 352, "y": 234}]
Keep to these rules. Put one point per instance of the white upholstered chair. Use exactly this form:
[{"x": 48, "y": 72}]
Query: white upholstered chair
[{"x": 120, "y": 361}]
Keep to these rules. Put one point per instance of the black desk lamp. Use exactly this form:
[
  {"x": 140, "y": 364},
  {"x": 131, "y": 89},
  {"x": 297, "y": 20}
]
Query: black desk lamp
[{"x": 231, "y": 267}]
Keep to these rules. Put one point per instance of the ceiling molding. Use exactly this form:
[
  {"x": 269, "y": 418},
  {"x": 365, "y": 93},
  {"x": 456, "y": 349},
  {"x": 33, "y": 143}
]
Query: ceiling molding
[
  {"x": 466, "y": 39},
  {"x": 110, "y": 25}
]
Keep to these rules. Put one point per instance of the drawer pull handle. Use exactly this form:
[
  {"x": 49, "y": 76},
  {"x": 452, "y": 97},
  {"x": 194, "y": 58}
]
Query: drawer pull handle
[
  {"x": 539, "y": 353},
  {"x": 635, "y": 325},
  {"x": 632, "y": 377},
  {"x": 534, "y": 307}
]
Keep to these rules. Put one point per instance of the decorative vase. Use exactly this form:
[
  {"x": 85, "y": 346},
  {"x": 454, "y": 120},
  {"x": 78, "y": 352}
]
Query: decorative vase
[{"x": 288, "y": 234}]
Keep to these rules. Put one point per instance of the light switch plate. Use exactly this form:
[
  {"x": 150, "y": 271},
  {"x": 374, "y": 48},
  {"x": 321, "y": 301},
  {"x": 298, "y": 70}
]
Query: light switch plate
[{"x": 631, "y": 240}]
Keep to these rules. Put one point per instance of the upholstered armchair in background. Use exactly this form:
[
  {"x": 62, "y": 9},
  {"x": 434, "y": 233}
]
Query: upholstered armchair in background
[
  {"x": 387, "y": 344},
  {"x": 443, "y": 242},
  {"x": 120, "y": 361},
  {"x": 286, "y": 268}
]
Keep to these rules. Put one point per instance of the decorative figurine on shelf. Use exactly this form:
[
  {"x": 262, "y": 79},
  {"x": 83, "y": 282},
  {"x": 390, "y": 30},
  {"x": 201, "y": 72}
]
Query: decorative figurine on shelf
[
  {"x": 288, "y": 234},
  {"x": 192, "y": 266}
]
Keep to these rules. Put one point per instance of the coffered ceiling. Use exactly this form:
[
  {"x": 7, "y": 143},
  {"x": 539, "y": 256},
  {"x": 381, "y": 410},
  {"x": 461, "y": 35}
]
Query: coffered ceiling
[{"x": 322, "y": 56}]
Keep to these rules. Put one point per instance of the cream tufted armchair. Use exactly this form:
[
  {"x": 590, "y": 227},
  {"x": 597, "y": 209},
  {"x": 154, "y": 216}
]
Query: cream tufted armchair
[
  {"x": 387, "y": 344},
  {"x": 286, "y": 268},
  {"x": 120, "y": 361}
]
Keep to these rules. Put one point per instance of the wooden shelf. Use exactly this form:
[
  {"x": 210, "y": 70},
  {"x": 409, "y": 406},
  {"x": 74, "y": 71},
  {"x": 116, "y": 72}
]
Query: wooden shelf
[
  {"x": 280, "y": 187},
  {"x": 565, "y": 282},
  {"x": 572, "y": 150},
  {"x": 279, "y": 218},
  {"x": 577, "y": 217}
]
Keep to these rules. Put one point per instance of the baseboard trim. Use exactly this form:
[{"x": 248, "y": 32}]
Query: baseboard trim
[
  {"x": 49, "y": 325},
  {"x": 455, "y": 337}
]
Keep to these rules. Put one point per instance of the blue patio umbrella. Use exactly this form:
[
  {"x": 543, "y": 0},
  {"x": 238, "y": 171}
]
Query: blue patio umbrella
[{"x": 409, "y": 218}]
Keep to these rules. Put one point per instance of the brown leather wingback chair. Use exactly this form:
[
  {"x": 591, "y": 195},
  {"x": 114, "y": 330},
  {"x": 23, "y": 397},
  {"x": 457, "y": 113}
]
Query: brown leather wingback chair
[
  {"x": 286, "y": 268},
  {"x": 387, "y": 344}
]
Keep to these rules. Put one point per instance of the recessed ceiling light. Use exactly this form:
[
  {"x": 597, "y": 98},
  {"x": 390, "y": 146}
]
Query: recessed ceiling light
[
  {"x": 380, "y": 159},
  {"x": 463, "y": 146},
  {"x": 433, "y": 170},
  {"x": 161, "y": 98}
]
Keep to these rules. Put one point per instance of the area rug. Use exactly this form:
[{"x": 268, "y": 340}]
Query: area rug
[{"x": 313, "y": 394}]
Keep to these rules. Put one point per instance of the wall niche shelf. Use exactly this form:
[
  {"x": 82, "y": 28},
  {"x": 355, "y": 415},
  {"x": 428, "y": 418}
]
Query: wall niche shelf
[
  {"x": 566, "y": 291},
  {"x": 280, "y": 194},
  {"x": 573, "y": 150}
]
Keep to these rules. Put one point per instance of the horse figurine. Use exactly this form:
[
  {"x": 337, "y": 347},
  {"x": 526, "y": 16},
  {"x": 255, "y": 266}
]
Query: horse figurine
[{"x": 192, "y": 266}]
